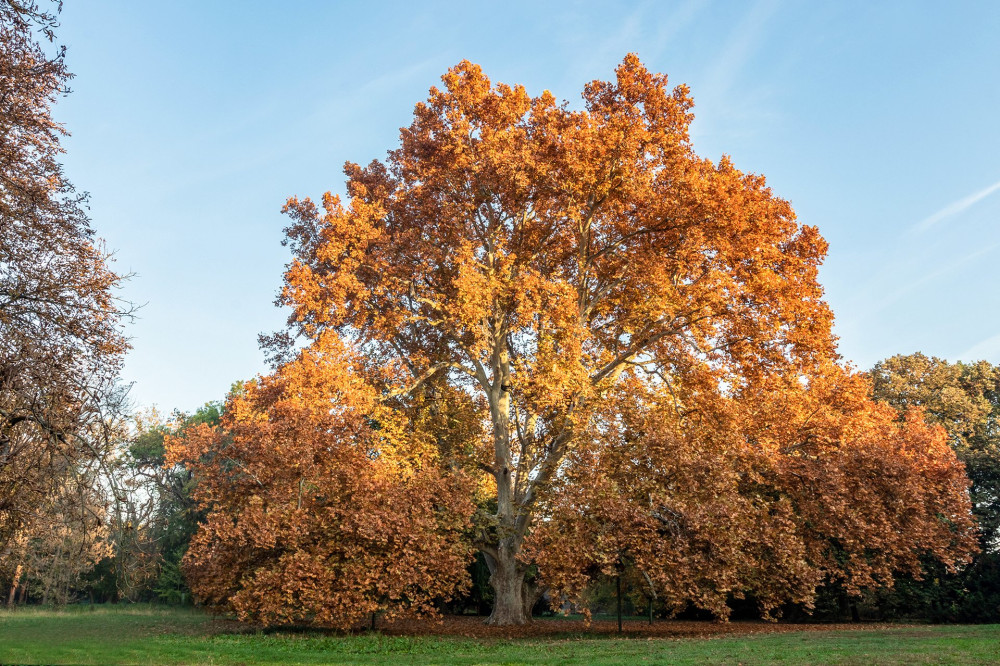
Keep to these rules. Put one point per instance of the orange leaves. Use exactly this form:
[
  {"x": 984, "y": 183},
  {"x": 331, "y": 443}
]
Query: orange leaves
[
  {"x": 872, "y": 493},
  {"x": 766, "y": 492},
  {"x": 323, "y": 504},
  {"x": 599, "y": 231}
]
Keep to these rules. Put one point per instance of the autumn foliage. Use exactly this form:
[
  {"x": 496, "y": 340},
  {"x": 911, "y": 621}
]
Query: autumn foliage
[
  {"x": 326, "y": 506},
  {"x": 770, "y": 496},
  {"x": 565, "y": 330}
]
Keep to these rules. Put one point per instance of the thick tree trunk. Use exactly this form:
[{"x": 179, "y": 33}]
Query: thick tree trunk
[
  {"x": 509, "y": 593},
  {"x": 513, "y": 596}
]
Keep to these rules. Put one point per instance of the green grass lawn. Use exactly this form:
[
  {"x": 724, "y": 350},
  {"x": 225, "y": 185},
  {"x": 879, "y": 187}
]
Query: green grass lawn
[{"x": 139, "y": 634}]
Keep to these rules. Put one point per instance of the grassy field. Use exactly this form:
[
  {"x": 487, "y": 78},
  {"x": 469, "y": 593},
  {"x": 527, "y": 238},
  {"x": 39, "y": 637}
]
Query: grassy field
[{"x": 138, "y": 635}]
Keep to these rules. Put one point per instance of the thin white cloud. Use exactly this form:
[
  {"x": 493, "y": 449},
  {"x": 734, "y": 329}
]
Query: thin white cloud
[
  {"x": 744, "y": 41},
  {"x": 955, "y": 208},
  {"x": 648, "y": 30},
  {"x": 734, "y": 104},
  {"x": 984, "y": 350},
  {"x": 912, "y": 285}
]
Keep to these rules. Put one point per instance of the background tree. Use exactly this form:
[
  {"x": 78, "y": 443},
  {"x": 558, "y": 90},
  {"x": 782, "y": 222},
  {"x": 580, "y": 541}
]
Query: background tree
[
  {"x": 151, "y": 514},
  {"x": 964, "y": 399},
  {"x": 66, "y": 539},
  {"x": 61, "y": 344},
  {"x": 176, "y": 515},
  {"x": 579, "y": 293}
]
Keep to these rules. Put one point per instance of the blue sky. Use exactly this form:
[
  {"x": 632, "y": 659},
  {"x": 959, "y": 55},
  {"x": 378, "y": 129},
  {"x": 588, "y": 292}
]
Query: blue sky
[{"x": 192, "y": 122}]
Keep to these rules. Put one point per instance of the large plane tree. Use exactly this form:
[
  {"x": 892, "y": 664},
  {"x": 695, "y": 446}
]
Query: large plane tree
[{"x": 619, "y": 348}]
